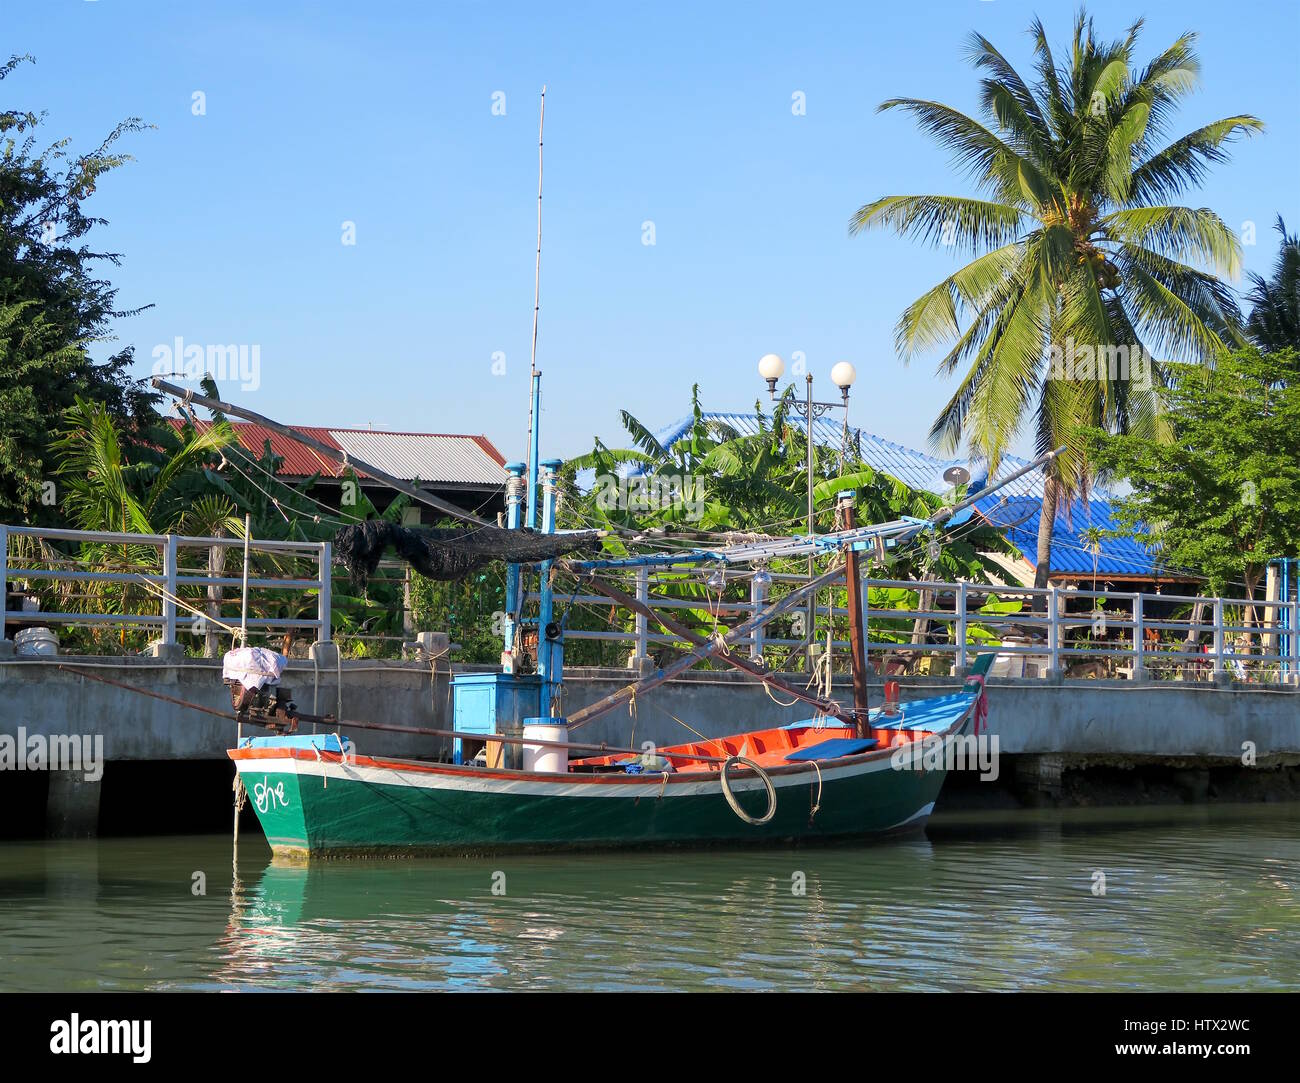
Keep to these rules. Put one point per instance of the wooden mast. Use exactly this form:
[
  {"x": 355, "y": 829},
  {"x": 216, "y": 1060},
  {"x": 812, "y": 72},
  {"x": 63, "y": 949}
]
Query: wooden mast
[{"x": 856, "y": 645}]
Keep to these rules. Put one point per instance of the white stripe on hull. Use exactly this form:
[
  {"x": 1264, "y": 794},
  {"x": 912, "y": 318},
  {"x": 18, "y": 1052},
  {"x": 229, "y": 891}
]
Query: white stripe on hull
[{"x": 488, "y": 783}]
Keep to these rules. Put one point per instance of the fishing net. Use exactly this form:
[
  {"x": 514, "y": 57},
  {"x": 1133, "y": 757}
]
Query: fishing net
[{"x": 448, "y": 553}]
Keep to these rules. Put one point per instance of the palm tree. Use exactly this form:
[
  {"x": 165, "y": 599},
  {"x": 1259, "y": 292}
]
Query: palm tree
[
  {"x": 1274, "y": 322},
  {"x": 1076, "y": 247},
  {"x": 152, "y": 487}
]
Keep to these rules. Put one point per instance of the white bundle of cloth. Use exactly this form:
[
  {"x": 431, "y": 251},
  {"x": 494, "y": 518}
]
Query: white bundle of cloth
[{"x": 253, "y": 667}]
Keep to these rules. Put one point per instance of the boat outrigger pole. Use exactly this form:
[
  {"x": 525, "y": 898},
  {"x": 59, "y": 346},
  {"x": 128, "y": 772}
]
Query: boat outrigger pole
[
  {"x": 708, "y": 649},
  {"x": 857, "y": 644},
  {"x": 745, "y": 665}
]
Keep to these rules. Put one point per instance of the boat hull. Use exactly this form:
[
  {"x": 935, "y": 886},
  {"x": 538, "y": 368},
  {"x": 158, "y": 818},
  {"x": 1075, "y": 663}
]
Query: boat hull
[{"x": 327, "y": 805}]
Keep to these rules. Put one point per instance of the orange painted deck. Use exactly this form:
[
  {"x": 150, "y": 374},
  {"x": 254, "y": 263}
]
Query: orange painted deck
[{"x": 767, "y": 748}]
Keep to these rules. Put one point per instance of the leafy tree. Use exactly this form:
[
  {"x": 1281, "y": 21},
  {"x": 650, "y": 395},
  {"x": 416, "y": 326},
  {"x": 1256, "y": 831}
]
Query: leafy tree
[
  {"x": 1274, "y": 322},
  {"x": 1223, "y": 498},
  {"x": 712, "y": 480},
  {"x": 54, "y": 306},
  {"x": 1075, "y": 243}
]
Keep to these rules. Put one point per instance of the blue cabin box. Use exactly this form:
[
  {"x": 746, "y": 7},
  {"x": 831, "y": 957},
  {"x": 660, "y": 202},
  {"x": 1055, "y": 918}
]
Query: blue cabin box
[{"x": 489, "y": 703}]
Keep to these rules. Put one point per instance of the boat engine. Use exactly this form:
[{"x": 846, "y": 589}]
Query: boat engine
[{"x": 252, "y": 674}]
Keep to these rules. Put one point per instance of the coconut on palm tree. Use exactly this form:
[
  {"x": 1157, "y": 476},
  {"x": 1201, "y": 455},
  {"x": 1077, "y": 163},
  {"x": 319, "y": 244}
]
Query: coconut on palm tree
[{"x": 1081, "y": 254}]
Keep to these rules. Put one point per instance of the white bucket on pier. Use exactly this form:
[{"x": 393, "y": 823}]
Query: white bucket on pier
[
  {"x": 546, "y": 758},
  {"x": 36, "y": 643}
]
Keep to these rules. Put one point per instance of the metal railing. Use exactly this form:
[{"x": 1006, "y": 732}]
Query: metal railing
[
  {"x": 167, "y": 581},
  {"x": 1054, "y": 631}
]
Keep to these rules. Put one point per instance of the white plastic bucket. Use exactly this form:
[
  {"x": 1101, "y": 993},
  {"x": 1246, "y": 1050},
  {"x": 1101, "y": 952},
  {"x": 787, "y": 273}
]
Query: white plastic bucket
[
  {"x": 36, "y": 643},
  {"x": 546, "y": 759}
]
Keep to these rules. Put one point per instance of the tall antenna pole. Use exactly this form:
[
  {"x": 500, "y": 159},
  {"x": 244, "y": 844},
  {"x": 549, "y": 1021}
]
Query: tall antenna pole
[{"x": 535, "y": 377}]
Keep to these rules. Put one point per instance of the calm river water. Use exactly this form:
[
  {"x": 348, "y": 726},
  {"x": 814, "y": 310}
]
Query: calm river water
[{"x": 1195, "y": 898}]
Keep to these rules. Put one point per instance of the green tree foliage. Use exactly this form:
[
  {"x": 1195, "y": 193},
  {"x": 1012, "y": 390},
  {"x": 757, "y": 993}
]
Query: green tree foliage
[
  {"x": 713, "y": 480},
  {"x": 54, "y": 305},
  {"x": 1074, "y": 238},
  {"x": 1274, "y": 322},
  {"x": 1223, "y": 498}
]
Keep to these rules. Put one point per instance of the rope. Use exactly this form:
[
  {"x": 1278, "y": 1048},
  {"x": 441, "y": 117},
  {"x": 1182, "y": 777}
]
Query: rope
[
  {"x": 689, "y": 727},
  {"x": 817, "y": 801},
  {"x": 731, "y": 797},
  {"x": 163, "y": 592},
  {"x": 772, "y": 696}
]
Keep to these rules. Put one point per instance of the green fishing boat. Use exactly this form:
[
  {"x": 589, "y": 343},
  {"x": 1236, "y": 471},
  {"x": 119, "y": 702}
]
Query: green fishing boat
[{"x": 315, "y": 796}]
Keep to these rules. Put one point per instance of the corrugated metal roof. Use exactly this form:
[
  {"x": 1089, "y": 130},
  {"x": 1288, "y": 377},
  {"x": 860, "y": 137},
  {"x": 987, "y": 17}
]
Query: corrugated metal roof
[
  {"x": 1071, "y": 554},
  {"x": 435, "y": 458}
]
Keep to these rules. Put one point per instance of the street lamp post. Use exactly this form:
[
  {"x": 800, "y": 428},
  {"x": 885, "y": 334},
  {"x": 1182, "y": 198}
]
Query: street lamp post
[{"x": 771, "y": 368}]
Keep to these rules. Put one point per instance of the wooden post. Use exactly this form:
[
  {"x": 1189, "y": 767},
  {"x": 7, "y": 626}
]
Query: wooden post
[{"x": 853, "y": 579}]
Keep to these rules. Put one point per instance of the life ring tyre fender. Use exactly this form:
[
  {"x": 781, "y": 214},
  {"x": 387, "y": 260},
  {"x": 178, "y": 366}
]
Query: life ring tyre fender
[{"x": 731, "y": 797}]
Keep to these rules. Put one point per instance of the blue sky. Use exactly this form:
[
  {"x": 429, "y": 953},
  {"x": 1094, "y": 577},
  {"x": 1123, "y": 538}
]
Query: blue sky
[{"x": 381, "y": 114}]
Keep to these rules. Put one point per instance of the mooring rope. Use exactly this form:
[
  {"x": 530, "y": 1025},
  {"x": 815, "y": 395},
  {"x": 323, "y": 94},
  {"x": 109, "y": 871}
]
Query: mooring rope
[{"x": 163, "y": 592}]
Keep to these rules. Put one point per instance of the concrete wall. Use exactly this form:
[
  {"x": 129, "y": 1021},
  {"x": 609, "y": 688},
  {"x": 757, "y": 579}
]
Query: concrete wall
[
  {"x": 46, "y": 699},
  {"x": 1092, "y": 719}
]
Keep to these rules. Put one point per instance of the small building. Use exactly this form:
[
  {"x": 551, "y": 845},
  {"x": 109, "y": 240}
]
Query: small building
[{"x": 465, "y": 470}]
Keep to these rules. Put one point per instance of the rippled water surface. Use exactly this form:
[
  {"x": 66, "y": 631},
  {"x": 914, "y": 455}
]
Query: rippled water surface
[{"x": 1194, "y": 898}]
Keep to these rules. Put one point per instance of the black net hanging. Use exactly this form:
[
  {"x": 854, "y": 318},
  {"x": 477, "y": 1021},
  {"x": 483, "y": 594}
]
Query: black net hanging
[{"x": 449, "y": 553}]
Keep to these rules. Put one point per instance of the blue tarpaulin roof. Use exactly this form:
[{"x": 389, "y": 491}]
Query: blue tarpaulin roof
[
  {"x": 1071, "y": 554},
  {"x": 1015, "y": 509}
]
